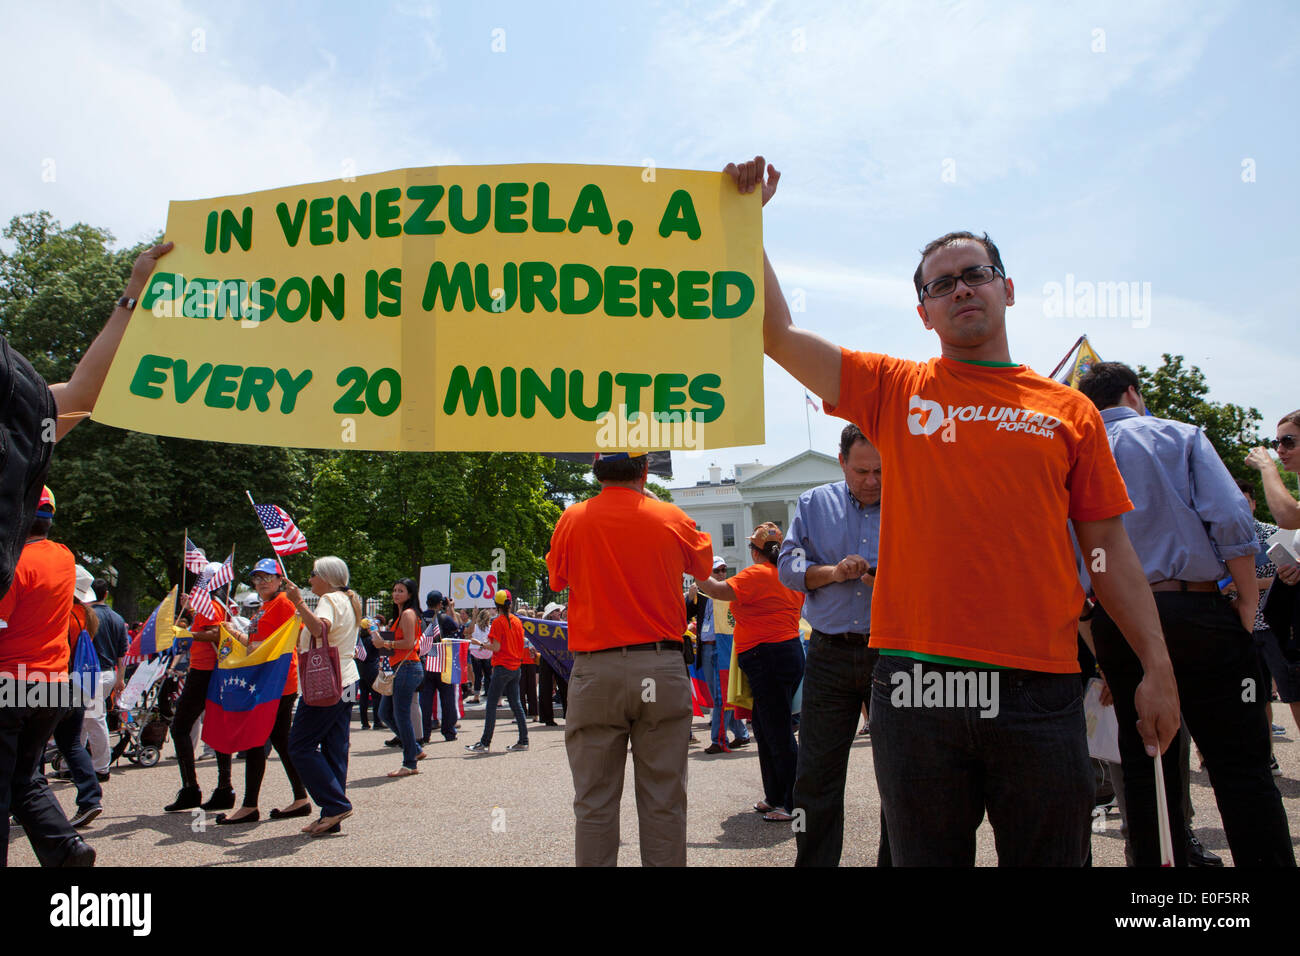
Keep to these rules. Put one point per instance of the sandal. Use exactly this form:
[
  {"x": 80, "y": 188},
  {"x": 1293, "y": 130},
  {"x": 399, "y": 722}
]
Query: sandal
[
  {"x": 327, "y": 824},
  {"x": 778, "y": 816},
  {"x": 763, "y": 807},
  {"x": 403, "y": 772}
]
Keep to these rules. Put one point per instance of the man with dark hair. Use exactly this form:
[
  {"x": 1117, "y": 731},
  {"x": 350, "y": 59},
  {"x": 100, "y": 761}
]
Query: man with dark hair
[
  {"x": 34, "y": 656},
  {"x": 447, "y": 628},
  {"x": 622, "y": 555},
  {"x": 996, "y": 459},
  {"x": 111, "y": 645},
  {"x": 1189, "y": 520},
  {"x": 830, "y": 554}
]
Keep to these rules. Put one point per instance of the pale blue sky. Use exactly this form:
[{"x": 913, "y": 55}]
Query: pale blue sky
[{"x": 1112, "y": 156}]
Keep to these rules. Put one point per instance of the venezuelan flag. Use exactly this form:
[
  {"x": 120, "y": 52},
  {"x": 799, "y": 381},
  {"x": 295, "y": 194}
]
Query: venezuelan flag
[
  {"x": 245, "y": 690},
  {"x": 158, "y": 634},
  {"x": 450, "y": 658}
]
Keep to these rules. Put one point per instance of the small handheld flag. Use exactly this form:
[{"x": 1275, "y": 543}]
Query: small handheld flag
[{"x": 283, "y": 534}]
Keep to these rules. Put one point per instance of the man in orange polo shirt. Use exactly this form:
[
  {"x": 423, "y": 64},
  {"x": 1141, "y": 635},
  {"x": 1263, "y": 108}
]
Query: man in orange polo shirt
[
  {"x": 622, "y": 556},
  {"x": 980, "y": 705},
  {"x": 34, "y": 689}
]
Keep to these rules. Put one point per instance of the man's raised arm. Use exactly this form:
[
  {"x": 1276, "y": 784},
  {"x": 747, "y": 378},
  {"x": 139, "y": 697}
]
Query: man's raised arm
[{"x": 807, "y": 356}]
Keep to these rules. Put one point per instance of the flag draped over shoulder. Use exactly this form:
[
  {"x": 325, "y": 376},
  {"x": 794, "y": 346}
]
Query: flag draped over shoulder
[
  {"x": 245, "y": 690},
  {"x": 157, "y": 634}
]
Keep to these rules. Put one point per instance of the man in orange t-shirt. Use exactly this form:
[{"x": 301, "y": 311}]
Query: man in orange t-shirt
[
  {"x": 622, "y": 554},
  {"x": 992, "y": 463},
  {"x": 34, "y": 653},
  {"x": 506, "y": 641}
]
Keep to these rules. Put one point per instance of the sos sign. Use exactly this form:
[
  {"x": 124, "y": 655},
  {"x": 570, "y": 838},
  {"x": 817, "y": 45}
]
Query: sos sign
[{"x": 474, "y": 588}]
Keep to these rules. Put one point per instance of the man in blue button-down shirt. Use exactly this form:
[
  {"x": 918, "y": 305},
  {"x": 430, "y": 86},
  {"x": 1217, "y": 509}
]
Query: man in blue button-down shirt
[
  {"x": 830, "y": 555},
  {"x": 1188, "y": 521}
]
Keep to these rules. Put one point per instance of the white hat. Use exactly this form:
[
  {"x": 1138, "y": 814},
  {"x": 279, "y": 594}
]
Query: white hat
[
  {"x": 719, "y": 562},
  {"x": 553, "y": 606},
  {"x": 85, "y": 586}
]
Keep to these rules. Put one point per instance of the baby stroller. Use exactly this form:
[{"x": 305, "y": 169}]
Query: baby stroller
[{"x": 142, "y": 728}]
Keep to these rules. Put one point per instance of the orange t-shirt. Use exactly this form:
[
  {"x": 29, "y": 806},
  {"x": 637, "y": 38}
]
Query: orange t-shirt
[
  {"x": 766, "y": 611},
  {"x": 411, "y": 653},
  {"x": 36, "y": 610},
  {"x": 203, "y": 656},
  {"x": 622, "y": 555},
  {"x": 985, "y": 466},
  {"x": 278, "y": 610},
  {"x": 508, "y": 631}
]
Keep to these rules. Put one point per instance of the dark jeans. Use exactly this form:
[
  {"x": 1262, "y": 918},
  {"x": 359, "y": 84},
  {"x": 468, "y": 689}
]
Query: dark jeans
[
  {"x": 774, "y": 672},
  {"x": 504, "y": 681},
  {"x": 482, "y": 673},
  {"x": 446, "y": 700},
  {"x": 939, "y": 767},
  {"x": 548, "y": 680},
  {"x": 367, "y": 696},
  {"x": 24, "y": 791},
  {"x": 395, "y": 709},
  {"x": 255, "y": 759},
  {"x": 836, "y": 685},
  {"x": 194, "y": 696},
  {"x": 1213, "y": 656},
  {"x": 528, "y": 687},
  {"x": 67, "y": 735},
  {"x": 318, "y": 743}
]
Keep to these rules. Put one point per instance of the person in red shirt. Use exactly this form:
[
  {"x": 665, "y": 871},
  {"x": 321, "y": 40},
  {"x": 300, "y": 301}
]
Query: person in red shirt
[
  {"x": 770, "y": 653},
  {"x": 34, "y": 654},
  {"x": 189, "y": 708},
  {"x": 622, "y": 555},
  {"x": 998, "y": 464},
  {"x": 276, "y": 610},
  {"x": 506, "y": 641}
]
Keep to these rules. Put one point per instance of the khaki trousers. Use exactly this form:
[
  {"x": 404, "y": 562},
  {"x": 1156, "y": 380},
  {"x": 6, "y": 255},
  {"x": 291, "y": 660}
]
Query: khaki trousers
[{"x": 644, "y": 695}]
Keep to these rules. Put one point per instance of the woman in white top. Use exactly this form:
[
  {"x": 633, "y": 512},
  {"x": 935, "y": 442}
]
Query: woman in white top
[
  {"x": 480, "y": 655},
  {"x": 318, "y": 740}
]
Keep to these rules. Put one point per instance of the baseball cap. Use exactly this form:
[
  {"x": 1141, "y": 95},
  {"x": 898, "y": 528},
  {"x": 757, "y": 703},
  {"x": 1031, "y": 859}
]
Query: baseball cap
[
  {"x": 719, "y": 562},
  {"x": 433, "y": 597},
  {"x": 502, "y": 597},
  {"x": 45, "y": 507},
  {"x": 767, "y": 531},
  {"x": 85, "y": 586},
  {"x": 266, "y": 566}
]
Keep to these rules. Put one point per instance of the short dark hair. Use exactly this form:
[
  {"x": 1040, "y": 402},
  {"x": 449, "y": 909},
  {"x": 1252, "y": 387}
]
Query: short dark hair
[
  {"x": 101, "y": 589},
  {"x": 952, "y": 238},
  {"x": 1105, "y": 382},
  {"x": 40, "y": 526},
  {"x": 620, "y": 469},
  {"x": 1246, "y": 487},
  {"x": 849, "y": 437}
]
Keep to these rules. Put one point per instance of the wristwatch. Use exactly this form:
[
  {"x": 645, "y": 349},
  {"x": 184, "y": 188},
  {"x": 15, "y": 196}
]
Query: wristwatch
[{"x": 126, "y": 302}]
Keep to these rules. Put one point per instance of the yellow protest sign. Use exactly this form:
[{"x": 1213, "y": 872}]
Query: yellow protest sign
[{"x": 494, "y": 308}]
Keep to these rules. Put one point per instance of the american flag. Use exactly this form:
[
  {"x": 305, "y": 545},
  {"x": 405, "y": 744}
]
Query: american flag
[
  {"x": 195, "y": 559},
  {"x": 430, "y": 637},
  {"x": 285, "y": 537},
  {"x": 209, "y": 581},
  {"x": 201, "y": 601},
  {"x": 811, "y": 402},
  {"x": 360, "y": 653}
]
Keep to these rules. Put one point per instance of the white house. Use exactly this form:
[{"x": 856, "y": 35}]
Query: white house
[{"x": 728, "y": 509}]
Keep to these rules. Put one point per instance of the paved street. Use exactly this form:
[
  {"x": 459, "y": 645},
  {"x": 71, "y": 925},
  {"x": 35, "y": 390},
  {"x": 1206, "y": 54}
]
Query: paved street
[{"x": 516, "y": 810}]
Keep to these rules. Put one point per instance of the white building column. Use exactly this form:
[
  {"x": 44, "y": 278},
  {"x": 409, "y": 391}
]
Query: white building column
[{"x": 789, "y": 514}]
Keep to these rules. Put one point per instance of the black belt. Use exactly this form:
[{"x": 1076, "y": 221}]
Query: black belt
[
  {"x": 652, "y": 646},
  {"x": 846, "y": 638}
]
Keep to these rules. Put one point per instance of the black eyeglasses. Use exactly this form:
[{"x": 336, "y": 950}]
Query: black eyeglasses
[
  {"x": 1286, "y": 441},
  {"x": 975, "y": 275}
]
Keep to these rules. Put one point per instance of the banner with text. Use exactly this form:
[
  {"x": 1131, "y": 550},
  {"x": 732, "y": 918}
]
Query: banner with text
[
  {"x": 456, "y": 308},
  {"x": 473, "y": 588},
  {"x": 551, "y": 638}
]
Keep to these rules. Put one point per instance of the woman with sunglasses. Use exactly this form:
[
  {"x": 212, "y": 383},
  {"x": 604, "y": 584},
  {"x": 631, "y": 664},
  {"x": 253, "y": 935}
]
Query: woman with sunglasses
[
  {"x": 770, "y": 653},
  {"x": 1285, "y": 509},
  {"x": 395, "y": 709}
]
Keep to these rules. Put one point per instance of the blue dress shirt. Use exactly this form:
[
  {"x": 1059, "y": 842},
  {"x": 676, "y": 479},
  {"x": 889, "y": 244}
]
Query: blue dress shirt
[
  {"x": 828, "y": 526},
  {"x": 1188, "y": 516}
]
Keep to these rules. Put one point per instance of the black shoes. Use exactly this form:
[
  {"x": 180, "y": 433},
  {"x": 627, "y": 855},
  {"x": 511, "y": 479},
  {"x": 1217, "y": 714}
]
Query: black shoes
[
  {"x": 102, "y": 777},
  {"x": 188, "y": 798},
  {"x": 80, "y": 853},
  {"x": 739, "y": 742},
  {"x": 393, "y": 742},
  {"x": 1197, "y": 855},
  {"x": 302, "y": 811},
  {"x": 225, "y": 821},
  {"x": 223, "y": 798}
]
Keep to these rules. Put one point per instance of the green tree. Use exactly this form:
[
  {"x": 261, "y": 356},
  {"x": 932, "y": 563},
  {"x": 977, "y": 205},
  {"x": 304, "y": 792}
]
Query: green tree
[
  {"x": 126, "y": 498},
  {"x": 1172, "y": 391}
]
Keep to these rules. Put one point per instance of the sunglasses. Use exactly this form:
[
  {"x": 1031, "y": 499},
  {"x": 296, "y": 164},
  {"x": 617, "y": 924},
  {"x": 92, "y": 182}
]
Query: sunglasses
[{"x": 1286, "y": 441}]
